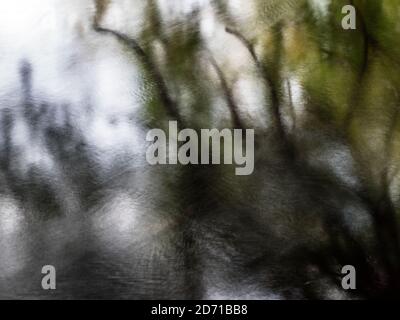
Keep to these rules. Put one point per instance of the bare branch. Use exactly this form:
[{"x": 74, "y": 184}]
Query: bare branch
[
  {"x": 271, "y": 86},
  {"x": 162, "y": 89},
  {"x": 249, "y": 46},
  {"x": 291, "y": 106},
  {"x": 234, "y": 109}
]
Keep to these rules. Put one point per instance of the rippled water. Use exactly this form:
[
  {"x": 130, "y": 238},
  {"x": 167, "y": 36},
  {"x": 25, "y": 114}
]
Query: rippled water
[{"x": 77, "y": 193}]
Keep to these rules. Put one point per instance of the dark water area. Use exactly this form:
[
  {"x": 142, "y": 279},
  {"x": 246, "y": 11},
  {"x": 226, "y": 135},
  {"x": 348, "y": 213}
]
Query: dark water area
[{"x": 169, "y": 233}]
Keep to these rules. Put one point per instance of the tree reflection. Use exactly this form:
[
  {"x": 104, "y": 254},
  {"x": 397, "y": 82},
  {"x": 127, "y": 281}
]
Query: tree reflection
[{"x": 324, "y": 192}]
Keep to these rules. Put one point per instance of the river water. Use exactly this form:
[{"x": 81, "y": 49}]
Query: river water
[{"x": 77, "y": 193}]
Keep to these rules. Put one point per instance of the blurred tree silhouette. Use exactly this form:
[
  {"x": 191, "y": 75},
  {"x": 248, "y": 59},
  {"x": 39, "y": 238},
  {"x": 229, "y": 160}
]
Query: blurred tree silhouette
[
  {"x": 349, "y": 81},
  {"x": 324, "y": 103}
]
